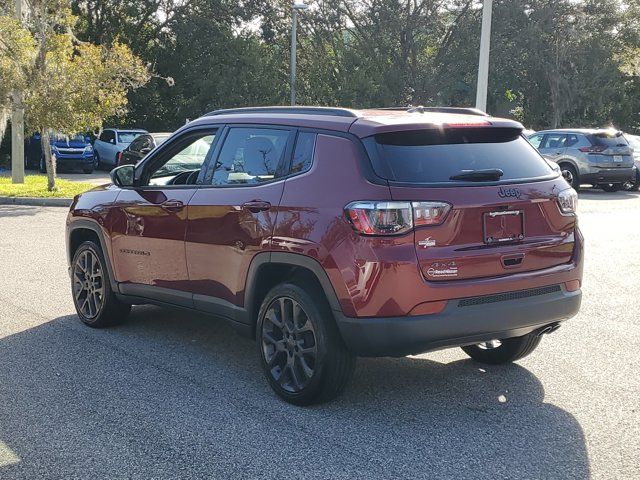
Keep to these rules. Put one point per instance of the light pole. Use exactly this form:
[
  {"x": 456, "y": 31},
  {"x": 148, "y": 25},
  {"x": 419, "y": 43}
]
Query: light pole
[
  {"x": 483, "y": 63},
  {"x": 294, "y": 44},
  {"x": 17, "y": 124}
]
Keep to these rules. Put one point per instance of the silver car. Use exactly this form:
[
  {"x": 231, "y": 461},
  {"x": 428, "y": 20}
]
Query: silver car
[{"x": 600, "y": 157}]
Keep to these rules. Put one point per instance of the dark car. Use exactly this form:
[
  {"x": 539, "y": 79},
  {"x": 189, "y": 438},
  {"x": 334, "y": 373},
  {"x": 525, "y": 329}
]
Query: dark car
[
  {"x": 328, "y": 233},
  {"x": 72, "y": 152},
  {"x": 142, "y": 145},
  {"x": 599, "y": 157}
]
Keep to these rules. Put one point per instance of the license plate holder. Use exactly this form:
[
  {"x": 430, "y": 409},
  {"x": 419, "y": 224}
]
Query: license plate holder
[
  {"x": 617, "y": 158},
  {"x": 503, "y": 226}
]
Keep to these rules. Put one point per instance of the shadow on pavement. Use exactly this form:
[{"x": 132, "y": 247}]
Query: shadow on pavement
[
  {"x": 175, "y": 395},
  {"x": 17, "y": 210}
]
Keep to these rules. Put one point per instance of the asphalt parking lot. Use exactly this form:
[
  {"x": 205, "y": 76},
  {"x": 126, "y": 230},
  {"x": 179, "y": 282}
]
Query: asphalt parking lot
[{"x": 172, "y": 395}]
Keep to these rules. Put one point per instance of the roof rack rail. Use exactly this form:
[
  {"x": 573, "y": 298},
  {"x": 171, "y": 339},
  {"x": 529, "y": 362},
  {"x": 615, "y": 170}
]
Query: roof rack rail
[
  {"x": 329, "y": 111},
  {"x": 421, "y": 109}
]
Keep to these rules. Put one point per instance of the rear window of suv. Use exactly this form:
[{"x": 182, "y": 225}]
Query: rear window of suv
[
  {"x": 609, "y": 139},
  {"x": 433, "y": 156}
]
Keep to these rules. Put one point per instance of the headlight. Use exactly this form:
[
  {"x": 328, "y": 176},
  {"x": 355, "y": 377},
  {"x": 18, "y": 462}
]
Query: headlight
[
  {"x": 568, "y": 201},
  {"x": 88, "y": 149}
]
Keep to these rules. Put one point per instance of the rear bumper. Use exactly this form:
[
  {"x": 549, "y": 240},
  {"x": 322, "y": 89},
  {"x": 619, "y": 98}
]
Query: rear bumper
[
  {"x": 463, "y": 322},
  {"x": 609, "y": 175}
]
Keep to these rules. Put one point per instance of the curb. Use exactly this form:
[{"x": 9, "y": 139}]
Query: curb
[{"x": 36, "y": 202}]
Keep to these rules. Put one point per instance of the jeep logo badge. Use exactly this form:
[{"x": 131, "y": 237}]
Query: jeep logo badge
[{"x": 509, "y": 192}]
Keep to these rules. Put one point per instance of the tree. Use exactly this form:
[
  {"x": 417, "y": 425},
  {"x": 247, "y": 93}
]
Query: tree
[
  {"x": 17, "y": 53},
  {"x": 74, "y": 85}
]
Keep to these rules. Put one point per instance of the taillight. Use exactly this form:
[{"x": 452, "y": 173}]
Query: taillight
[
  {"x": 568, "y": 201},
  {"x": 593, "y": 149},
  {"x": 118, "y": 158},
  {"x": 394, "y": 218},
  {"x": 429, "y": 213}
]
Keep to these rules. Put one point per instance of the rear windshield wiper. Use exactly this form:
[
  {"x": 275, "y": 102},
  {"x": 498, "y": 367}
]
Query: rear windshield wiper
[{"x": 478, "y": 175}]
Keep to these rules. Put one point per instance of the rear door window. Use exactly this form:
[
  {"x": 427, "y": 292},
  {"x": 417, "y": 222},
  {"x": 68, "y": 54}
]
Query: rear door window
[
  {"x": 250, "y": 156},
  {"x": 432, "y": 157},
  {"x": 554, "y": 140}
]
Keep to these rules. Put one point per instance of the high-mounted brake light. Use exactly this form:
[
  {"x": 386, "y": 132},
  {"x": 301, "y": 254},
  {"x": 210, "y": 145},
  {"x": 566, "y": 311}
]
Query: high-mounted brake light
[
  {"x": 394, "y": 218},
  {"x": 482, "y": 123}
]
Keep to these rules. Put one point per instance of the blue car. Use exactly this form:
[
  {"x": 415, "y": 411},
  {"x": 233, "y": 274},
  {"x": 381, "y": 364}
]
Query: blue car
[{"x": 72, "y": 152}]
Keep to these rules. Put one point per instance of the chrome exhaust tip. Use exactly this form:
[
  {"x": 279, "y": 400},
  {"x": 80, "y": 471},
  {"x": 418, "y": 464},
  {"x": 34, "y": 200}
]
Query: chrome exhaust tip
[{"x": 548, "y": 329}]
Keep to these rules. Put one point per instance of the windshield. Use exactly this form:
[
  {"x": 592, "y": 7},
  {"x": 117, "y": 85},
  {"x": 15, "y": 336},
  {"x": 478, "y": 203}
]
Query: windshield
[
  {"x": 433, "y": 156},
  {"x": 59, "y": 137},
  {"x": 127, "y": 137}
]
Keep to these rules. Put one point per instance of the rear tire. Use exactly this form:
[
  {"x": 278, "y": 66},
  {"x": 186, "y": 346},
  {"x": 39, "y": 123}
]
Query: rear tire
[
  {"x": 509, "y": 350},
  {"x": 570, "y": 175},
  {"x": 611, "y": 187},
  {"x": 95, "y": 302},
  {"x": 299, "y": 346},
  {"x": 634, "y": 186}
]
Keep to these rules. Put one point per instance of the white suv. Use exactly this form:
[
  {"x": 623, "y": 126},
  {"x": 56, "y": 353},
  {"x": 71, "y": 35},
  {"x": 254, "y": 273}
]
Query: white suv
[{"x": 110, "y": 144}]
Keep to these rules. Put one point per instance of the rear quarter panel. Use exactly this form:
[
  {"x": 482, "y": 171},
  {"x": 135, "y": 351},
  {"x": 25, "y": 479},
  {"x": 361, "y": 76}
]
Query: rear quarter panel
[{"x": 311, "y": 218}]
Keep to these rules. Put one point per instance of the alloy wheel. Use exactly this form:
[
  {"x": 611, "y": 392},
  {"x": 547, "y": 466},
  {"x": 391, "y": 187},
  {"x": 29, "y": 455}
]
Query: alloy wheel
[
  {"x": 88, "y": 284},
  {"x": 289, "y": 344},
  {"x": 568, "y": 176}
]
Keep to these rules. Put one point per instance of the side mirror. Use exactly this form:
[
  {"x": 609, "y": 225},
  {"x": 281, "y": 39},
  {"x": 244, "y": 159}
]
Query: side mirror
[{"x": 123, "y": 176}]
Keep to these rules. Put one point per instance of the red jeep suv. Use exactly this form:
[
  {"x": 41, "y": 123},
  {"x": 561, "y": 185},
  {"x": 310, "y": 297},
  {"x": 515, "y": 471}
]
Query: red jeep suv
[{"x": 329, "y": 233}]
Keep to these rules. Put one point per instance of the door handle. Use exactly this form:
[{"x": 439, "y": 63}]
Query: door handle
[
  {"x": 256, "y": 206},
  {"x": 172, "y": 205}
]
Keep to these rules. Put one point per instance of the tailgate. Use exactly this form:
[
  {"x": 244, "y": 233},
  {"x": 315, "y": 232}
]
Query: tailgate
[{"x": 492, "y": 230}]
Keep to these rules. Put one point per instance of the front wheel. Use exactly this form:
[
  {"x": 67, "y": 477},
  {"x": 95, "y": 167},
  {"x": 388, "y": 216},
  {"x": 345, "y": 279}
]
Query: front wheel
[
  {"x": 507, "y": 350},
  {"x": 611, "y": 187},
  {"x": 300, "y": 348},
  {"x": 95, "y": 302}
]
